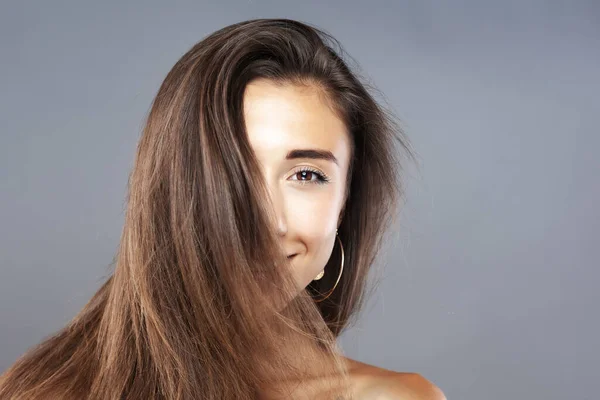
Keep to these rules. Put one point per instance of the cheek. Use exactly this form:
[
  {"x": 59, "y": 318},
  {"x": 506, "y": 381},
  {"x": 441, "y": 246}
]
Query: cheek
[
  {"x": 315, "y": 201},
  {"x": 312, "y": 217}
]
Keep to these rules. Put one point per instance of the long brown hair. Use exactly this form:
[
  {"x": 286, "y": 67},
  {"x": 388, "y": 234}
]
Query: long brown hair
[{"x": 198, "y": 306}]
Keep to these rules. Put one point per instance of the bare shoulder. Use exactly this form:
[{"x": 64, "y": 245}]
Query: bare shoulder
[{"x": 377, "y": 383}]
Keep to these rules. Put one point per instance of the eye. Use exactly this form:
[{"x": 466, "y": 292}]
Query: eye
[{"x": 306, "y": 175}]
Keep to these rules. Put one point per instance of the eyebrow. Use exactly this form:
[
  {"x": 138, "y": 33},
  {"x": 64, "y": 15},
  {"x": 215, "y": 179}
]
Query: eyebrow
[{"x": 314, "y": 154}]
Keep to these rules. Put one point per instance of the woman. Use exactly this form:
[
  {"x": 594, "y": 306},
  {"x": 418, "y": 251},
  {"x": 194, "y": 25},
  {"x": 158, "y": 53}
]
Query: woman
[{"x": 264, "y": 179}]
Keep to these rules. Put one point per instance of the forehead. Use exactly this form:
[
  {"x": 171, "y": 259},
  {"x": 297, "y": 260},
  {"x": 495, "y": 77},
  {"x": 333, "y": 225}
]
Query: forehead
[{"x": 280, "y": 118}]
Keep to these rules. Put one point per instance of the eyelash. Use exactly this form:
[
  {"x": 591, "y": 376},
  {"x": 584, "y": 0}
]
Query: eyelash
[{"x": 322, "y": 178}]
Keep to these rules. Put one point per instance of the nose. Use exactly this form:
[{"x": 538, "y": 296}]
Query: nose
[{"x": 278, "y": 214}]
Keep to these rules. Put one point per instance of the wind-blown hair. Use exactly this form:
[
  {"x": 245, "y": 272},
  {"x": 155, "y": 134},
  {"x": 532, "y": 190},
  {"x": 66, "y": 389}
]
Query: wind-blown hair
[{"x": 200, "y": 304}]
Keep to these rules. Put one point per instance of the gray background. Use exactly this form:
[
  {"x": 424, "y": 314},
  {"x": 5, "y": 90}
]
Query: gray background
[{"x": 490, "y": 288}]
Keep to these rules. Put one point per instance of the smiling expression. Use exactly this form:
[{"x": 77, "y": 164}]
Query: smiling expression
[{"x": 304, "y": 149}]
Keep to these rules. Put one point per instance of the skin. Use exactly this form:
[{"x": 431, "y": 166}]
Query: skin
[
  {"x": 308, "y": 210},
  {"x": 371, "y": 382}
]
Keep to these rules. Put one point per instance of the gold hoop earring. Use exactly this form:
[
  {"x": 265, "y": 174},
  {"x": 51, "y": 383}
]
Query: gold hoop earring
[{"x": 340, "y": 274}]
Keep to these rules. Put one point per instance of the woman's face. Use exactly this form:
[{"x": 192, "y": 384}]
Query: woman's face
[{"x": 304, "y": 151}]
